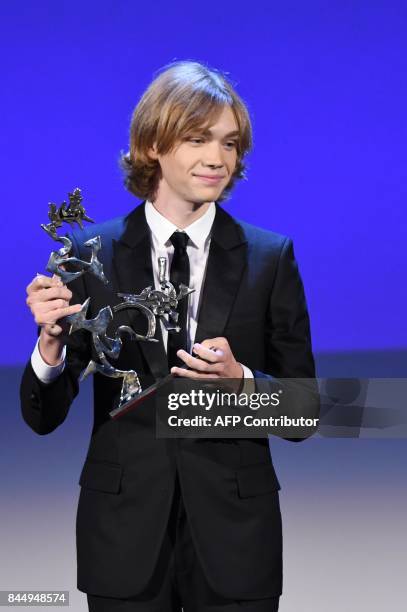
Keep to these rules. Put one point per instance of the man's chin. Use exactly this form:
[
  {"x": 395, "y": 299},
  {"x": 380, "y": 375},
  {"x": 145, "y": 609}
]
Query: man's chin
[
  {"x": 199, "y": 202},
  {"x": 201, "y": 199}
]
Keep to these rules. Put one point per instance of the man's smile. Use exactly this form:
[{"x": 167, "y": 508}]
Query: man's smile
[{"x": 210, "y": 179}]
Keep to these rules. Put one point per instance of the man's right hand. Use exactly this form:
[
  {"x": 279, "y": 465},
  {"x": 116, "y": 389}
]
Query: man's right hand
[{"x": 48, "y": 299}]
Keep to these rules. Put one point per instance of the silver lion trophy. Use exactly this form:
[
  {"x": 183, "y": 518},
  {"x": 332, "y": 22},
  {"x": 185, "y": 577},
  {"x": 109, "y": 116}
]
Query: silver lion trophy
[{"x": 152, "y": 303}]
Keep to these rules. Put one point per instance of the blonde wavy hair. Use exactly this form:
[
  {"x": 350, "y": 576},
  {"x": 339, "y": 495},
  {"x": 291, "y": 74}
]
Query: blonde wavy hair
[{"x": 184, "y": 97}]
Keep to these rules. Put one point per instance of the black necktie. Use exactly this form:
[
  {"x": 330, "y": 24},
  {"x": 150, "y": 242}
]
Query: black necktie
[{"x": 179, "y": 273}]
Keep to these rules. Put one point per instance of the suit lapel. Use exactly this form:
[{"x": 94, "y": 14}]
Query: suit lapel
[
  {"x": 226, "y": 263},
  {"x": 131, "y": 273}
]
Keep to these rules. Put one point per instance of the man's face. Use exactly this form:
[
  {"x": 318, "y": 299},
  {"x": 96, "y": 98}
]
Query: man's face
[{"x": 199, "y": 168}]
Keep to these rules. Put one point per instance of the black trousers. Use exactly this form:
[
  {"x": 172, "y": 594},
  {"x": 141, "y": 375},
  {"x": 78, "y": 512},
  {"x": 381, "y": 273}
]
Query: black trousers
[{"x": 178, "y": 583}]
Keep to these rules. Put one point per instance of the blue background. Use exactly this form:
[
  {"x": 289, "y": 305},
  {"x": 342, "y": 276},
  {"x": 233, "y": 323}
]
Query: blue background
[{"x": 326, "y": 86}]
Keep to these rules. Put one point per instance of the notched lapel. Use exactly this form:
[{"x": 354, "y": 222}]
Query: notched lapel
[
  {"x": 227, "y": 261},
  {"x": 132, "y": 272}
]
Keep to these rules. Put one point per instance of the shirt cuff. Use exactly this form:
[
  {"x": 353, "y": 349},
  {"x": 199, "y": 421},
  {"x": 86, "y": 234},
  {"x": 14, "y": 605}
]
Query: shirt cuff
[
  {"x": 248, "y": 385},
  {"x": 45, "y": 372},
  {"x": 247, "y": 373}
]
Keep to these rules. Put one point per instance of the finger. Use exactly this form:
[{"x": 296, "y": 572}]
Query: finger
[
  {"x": 57, "y": 292},
  {"x": 215, "y": 343},
  {"x": 208, "y": 354},
  {"x": 50, "y": 317},
  {"x": 196, "y": 364},
  {"x": 39, "y": 282},
  {"x": 57, "y": 279},
  {"x": 53, "y": 329},
  {"x": 183, "y": 373},
  {"x": 50, "y": 293},
  {"x": 51, "y": 305}
]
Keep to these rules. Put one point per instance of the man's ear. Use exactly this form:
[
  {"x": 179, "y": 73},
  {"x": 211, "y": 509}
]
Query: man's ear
[{"x": 152, "y": 152}]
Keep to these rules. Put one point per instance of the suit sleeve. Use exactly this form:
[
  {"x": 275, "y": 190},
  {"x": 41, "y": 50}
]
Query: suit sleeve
[
  {"x": 288, "y": 337},
  {"x": 45, "y": 406},
  {"x": 287, "y": 334}
]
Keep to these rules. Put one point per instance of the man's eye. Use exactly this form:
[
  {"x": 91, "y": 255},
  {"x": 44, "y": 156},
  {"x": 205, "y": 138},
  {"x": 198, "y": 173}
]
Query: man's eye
[
  {"x": 231, "y": 144},
  {"x": 196, "y": 140}
]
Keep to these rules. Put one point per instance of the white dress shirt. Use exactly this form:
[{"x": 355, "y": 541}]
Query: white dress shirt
[{"x": 199, "y": 233}]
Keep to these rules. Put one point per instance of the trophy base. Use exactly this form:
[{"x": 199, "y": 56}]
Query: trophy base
[{"x": 140, "y": 397}]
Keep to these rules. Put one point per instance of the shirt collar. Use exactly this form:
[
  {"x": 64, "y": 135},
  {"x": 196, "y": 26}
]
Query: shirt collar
[{"x": 162, "y": 228}]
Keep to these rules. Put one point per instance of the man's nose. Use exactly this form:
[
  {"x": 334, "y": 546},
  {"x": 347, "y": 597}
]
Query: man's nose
[{"x": 213, "y": 155}]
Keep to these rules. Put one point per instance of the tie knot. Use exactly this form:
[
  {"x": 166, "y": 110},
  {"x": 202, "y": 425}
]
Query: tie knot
[{"x": 179, "y": 241}]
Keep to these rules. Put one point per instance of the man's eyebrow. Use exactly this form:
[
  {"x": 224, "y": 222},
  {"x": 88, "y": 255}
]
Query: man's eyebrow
[{"x": 208, "y": 132}]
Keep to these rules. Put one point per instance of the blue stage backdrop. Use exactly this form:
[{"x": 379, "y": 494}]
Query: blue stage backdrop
[{"x": 325, "y": 83}]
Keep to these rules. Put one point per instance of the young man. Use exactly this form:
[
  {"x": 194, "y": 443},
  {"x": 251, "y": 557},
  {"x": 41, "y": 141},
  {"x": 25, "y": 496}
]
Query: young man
[{"x": 188, "y": 523}]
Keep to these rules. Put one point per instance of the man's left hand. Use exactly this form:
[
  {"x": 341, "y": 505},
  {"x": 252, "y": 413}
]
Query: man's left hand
[{"x": 214, "y": 360}]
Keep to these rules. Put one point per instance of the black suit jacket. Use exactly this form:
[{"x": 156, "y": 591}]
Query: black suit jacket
[{"x": 253, "y": 295}]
